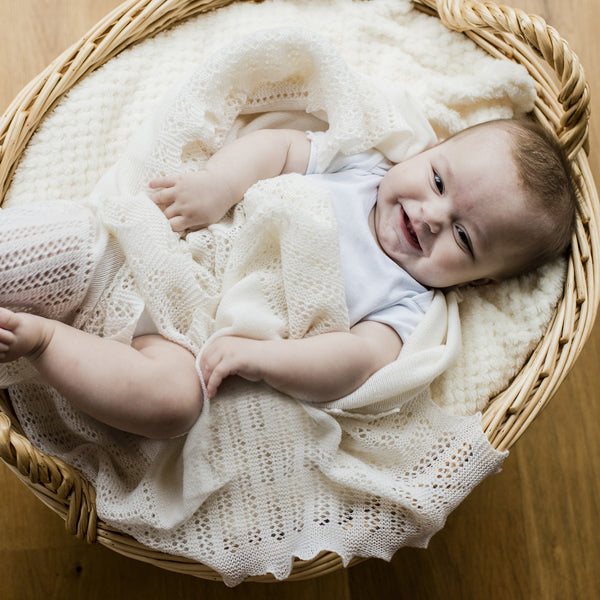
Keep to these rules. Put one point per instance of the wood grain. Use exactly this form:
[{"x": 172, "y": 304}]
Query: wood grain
[{"x": 530, "y": 532}]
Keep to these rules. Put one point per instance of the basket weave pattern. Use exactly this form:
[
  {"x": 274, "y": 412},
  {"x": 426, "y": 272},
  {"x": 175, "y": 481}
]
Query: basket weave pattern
[{"x": 562, "y": 106}]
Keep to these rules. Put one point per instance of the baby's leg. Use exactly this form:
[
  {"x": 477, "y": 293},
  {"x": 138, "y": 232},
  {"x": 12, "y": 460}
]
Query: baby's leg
[
  {"x": 54, "y": 259},
  {"x": 150, "y": 388}
]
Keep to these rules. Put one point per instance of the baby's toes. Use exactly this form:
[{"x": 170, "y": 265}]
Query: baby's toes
[
  {"x": 9, "y": 321},
  {"x": 7, "y": 339}
]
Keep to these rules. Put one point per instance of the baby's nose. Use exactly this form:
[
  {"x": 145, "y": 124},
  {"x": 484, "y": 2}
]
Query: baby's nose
[{"x": 435, "y": 216}]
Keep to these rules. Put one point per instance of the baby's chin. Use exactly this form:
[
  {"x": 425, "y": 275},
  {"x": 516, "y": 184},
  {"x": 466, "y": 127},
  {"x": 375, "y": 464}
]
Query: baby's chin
[{"x": 431, "y": 280}]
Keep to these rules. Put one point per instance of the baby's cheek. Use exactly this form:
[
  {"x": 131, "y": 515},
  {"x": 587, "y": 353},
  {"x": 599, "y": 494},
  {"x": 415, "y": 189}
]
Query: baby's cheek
[{"x": 443, "y": 269}]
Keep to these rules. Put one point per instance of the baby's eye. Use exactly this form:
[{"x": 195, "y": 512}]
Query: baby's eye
[
  {"x": 439, "y": 184},
  {"x": 464, "y": 239}
]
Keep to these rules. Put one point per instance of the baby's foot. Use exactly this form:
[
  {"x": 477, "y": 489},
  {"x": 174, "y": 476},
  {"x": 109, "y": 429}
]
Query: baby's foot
[{"x": 22, "y": 334}]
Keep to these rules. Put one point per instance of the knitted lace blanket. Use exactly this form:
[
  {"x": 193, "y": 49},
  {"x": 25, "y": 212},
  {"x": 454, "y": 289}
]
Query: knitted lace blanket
[{"x": 262, "y": 478}]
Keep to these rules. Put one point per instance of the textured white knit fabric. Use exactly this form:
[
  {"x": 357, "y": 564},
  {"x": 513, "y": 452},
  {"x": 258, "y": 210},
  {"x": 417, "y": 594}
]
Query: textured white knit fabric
[
  {"x": 48, "y": 258},
  {"x": 262, "y": 478}
]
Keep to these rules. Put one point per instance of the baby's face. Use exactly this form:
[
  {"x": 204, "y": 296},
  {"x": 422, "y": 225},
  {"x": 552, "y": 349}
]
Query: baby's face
[{"x": 455, "y": 213}]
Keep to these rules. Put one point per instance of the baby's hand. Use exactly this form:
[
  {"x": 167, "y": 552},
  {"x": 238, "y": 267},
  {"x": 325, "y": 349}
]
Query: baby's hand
[
  {"x": 192, "y": 200},
  {"x": 228, "y": 355}
]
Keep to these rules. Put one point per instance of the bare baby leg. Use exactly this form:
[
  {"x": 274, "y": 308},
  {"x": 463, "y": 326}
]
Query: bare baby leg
[{"x": 150, "y": 388}]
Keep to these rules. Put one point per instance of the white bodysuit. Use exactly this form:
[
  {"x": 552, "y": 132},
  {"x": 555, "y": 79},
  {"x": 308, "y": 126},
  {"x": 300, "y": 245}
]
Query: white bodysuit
[{"x": 377, "y": 288}]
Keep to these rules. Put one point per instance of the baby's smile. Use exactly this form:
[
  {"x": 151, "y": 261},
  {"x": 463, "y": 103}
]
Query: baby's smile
[{"x": 408, "y": 230}]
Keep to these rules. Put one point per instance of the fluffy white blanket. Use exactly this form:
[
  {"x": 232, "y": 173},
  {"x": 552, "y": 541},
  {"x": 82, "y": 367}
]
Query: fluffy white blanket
[{"x": 262, "y": 478}]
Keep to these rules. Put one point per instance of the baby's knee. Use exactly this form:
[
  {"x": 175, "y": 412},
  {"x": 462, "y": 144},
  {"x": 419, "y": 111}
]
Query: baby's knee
[
  {"x": 174, "y": 387},
  {"x": 176, "y": 415}
]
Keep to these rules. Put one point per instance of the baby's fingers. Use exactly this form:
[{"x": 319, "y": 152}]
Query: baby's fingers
[
  {"x": 213, "y": 383},
  {"x": 213, "y": 374},
  {"x": 178, "y": 223},
  {"x": 163, "y": 197},
  {"x": 217, "y": 362},
  {"x": 162, "y": 182},
  {"x": 229, "y": 355}
]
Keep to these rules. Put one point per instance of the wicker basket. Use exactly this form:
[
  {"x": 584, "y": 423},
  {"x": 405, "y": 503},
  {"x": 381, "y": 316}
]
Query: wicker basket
[{"x": 562, "y": 105}]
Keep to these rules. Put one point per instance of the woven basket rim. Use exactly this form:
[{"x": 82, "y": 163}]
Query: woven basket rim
[{"x": 562, "y": 106}]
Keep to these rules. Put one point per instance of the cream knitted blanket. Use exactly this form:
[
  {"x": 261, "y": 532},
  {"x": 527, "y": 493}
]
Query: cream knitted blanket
[{"x": 262, "y": 478}]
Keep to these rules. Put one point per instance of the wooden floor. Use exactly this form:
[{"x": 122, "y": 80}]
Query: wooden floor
[{"x": 531, "y": 532}]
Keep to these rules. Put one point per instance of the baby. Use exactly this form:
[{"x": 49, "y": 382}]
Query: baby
[{"x": 491, "y": 202}]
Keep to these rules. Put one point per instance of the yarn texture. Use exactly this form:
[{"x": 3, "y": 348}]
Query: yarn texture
[{"x": 262, "y": 478}]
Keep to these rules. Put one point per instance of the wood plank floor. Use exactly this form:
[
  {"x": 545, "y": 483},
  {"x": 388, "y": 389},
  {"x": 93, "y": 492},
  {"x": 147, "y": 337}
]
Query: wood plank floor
[{"x": 531, "y": 532}]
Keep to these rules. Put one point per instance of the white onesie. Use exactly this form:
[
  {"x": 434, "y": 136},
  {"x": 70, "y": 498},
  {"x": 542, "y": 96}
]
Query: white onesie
[{"x": 377, "y": 289}]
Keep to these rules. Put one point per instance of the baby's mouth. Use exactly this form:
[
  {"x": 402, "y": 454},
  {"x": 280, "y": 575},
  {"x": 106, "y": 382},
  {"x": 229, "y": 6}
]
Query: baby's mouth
[{"x": 409, "y": 230}]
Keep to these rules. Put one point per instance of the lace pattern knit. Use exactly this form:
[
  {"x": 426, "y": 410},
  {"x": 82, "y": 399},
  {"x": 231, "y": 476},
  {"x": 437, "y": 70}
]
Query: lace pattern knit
[
  {"x": 49, "y": 254},
  {"x": 261, "y": 478}
]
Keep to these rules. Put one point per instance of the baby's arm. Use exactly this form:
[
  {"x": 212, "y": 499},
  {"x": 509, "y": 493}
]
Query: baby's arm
[
  {"x": 195, "y": 200},
  {"x": 150, "y": 388},
  {"x": 318, "y": 369}
]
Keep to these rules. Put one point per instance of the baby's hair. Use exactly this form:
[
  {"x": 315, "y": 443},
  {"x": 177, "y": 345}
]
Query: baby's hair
[{"x": 548, "y": 180}]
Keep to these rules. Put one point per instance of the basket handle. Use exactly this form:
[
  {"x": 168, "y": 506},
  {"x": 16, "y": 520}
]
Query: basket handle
[
  {"x": 76, "y": 496},
  {"x": 574, "y": 95}
]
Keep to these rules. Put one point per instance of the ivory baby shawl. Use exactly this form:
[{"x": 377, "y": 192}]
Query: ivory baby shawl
[
  {"x": 241, "y": 493},
  {"x": 263, "y": 478},
  {"x": 455, "y": 83}
]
